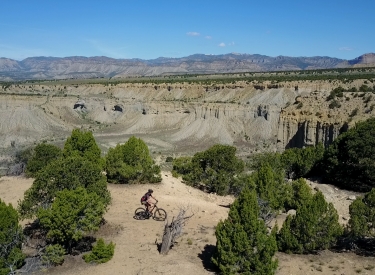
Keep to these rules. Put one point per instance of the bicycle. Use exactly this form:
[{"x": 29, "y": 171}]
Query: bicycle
[{"x": 158, "y": 214}]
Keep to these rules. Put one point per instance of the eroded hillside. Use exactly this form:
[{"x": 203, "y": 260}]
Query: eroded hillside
[{"x": 183, "y": 117}]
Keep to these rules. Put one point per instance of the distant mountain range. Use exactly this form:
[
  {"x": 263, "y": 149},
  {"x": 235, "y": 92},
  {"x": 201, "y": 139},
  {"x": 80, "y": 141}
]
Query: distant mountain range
[{"x": 92, "y": 67}]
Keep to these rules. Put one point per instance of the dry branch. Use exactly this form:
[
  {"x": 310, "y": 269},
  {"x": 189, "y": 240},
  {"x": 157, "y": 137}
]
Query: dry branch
[{"x": 173, "y": 230}]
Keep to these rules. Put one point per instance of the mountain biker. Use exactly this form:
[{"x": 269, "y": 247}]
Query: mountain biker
[{"x": 146, "y": 200}]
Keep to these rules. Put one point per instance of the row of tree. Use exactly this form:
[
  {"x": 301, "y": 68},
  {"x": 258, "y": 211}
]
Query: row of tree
[
  {"x": 243, "y": 243},
  {"x": 348, "y": 163},
  {"x": 69, "y": 196}
]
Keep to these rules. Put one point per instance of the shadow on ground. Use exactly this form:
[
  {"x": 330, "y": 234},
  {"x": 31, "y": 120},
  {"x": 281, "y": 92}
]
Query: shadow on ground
[{"x": 206, "y": 255}]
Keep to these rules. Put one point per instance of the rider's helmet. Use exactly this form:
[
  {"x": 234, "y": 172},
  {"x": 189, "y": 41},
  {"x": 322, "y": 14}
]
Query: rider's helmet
[{"x": 150, "y": 191}]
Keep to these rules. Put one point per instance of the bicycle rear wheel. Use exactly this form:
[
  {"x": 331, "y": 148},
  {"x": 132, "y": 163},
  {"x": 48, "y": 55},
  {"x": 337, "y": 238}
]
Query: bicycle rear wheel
[
  {"x": 160, "y": 215},
  {"x": 140, "y": 213}
]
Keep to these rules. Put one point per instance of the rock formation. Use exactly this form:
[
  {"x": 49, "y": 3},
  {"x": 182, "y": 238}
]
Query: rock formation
[{"x": 183, "y": 116}]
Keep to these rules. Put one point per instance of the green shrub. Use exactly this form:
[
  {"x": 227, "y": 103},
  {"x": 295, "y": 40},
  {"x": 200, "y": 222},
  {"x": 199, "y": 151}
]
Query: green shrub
[
  {"x": 182, "y": 165},
  {"x": 314, "y": 227},
  {"x": 175, "y": 174},
  {"x": 83, "y": 144},
  {"x": 354, "y": 112},
  {"x": 131, "y": 163},
  {"x": 215, "y": 168},
  {"x": 301, "y": 193},
  {"x": 302, "y": 162},
  {"x": 272, "y": 159},
  {"x": 53, "y": 255},
  {"x": 334, "y": 104},
  {"x": 243, "y": 245},
  {"x": 364, "y": 88},
  {"x": 337, "y": 92},
  {"x": 100, "y": 253},
  {"x": 349, "y": 162},
  {"x": 362, "y": 216},
  {"x": 42, "y": 154},
  {"x": 11, "y": 237},
  {"x": 271, "y": 186},
  {"x": 72, "y": 214},
  {"x": 64, "y": 173}
]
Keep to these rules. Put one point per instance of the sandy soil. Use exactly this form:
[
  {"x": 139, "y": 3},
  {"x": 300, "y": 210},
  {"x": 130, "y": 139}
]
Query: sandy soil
[{"x": 136, "y": 249}]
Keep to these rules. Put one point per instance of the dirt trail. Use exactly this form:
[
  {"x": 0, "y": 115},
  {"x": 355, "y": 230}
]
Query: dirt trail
[{"x": 136, "y": 251}]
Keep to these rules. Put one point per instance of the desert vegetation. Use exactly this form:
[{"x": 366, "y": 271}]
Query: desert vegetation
[
  {"x": 68, "y": 199},
  {"x": 131, "y": 163},
  {"x": 347, "y": 163},
  {"x": 68, "y": 179},
  {"x": 11, "y": 238}
]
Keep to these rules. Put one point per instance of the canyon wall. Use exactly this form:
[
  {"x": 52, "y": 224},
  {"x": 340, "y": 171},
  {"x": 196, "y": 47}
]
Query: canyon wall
[{"x": 180, "y": 116}]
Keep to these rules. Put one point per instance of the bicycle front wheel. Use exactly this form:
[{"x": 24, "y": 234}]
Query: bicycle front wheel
[
  {"x": 160, "y": 215},
  {"x": 140, "y": 214}
]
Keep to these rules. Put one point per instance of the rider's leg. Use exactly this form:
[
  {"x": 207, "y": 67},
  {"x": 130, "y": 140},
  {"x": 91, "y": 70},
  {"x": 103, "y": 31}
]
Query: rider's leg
[
  {"x": 152, "y": 208},
  {"x": 149, "y": 207},
  {"x": 149, "y": 210}
]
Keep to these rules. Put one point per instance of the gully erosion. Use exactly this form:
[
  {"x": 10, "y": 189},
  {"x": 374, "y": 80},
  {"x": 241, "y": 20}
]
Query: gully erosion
[{"x": 181, "y": 117}]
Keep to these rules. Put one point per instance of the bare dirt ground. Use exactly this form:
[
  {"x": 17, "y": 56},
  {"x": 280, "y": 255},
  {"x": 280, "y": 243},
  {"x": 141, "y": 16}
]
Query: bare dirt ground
[{"x": 136, "y": 242}]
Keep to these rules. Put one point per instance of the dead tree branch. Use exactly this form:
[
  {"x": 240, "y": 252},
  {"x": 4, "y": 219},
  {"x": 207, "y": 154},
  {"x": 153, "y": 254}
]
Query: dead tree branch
[{"x": 173, "y": 230}]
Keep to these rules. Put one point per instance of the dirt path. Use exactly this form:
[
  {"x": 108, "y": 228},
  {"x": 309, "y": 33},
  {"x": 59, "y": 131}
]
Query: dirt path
[{"x": 136, "y": 251}]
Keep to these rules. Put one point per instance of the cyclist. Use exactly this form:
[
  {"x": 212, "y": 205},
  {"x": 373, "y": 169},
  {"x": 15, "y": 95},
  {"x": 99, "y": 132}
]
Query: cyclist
[{"x": 146, "y": 200}]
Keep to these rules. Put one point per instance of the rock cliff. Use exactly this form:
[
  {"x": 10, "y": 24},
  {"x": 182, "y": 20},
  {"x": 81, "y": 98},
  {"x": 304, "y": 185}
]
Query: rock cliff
[
  {"x": 313, "y": 118},
  {"x": 182, "y": 116}
]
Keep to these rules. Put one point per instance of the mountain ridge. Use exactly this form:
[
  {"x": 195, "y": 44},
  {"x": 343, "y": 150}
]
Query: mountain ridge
[{"x": 43, "y": 67}]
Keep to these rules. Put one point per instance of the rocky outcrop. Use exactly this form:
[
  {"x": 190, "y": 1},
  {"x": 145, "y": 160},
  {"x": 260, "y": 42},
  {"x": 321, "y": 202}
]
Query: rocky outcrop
[
  {"x": 184, "y": 115},
  {"x": 313, "y": 118},
  {"x": 80, "y": 104},
  {"x": 303, "y": 132}
]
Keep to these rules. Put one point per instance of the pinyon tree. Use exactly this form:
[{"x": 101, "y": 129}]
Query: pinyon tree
[
  {"x": 42, "y": 154},
  {"x": 11, "y": 237},
  {"x": 314, "y": 227},
  {"x": 362, "y": 216},
  {"x": 349, "y": 161},
  {"x": 83, "y": 144},
  {"x": 131, "y": 162},
  {"x": 216, "y": 168},
  {"x": 73, "y": 213},
  {"x": 243, "y": 245},
  {"x": 65, "y": 173}
]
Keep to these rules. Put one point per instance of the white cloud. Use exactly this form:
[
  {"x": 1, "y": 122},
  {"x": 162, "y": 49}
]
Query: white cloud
[
  {"x": 208, "y": 37},
  {"x": 345, "y": 49},
  {"x": 231, "y": 44},
  {"x": 193, "y": 33},
  {"x": 222, "y": 44}
]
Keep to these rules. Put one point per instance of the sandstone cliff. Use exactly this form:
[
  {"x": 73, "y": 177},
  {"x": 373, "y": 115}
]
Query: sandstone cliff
[
  {"x": 182, "y": 117},
  {"x": 312, "y": 118}
]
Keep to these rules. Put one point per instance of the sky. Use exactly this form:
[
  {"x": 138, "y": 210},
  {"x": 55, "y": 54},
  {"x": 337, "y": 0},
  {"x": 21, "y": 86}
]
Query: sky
[{"x": 150, "y": 29}]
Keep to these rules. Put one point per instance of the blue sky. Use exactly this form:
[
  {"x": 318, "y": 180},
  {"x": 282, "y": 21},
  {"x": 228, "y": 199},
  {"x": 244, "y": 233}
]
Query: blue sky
[{"x": 150, "y": 29}]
